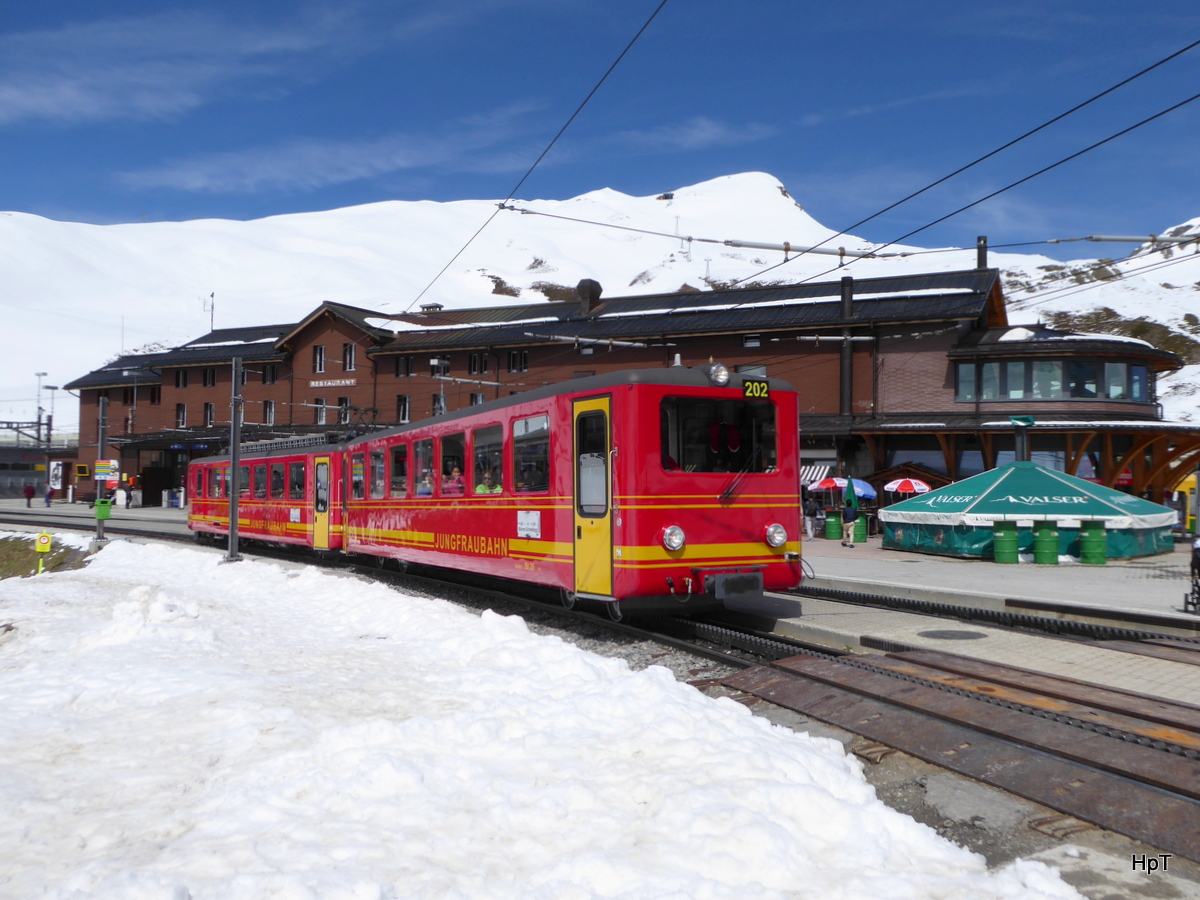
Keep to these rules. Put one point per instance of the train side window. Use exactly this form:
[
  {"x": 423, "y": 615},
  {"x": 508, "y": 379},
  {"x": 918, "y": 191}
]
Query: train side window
[
  {"x": 277, "y": 481},
  {"x": 488, "y": 471},
  {"x": 296, "y": 481},
  {"x": 378, "y": 475},
  {"x": 357, "y": 477},
  {"x": 591, "y": 447},
  {"x": 400, "y": 470},
  {"x": 531, "y": 453},
  {"x": 198, "y": 484},
  {"x": 218, "y": 485},
  {"x": 260, "y": 482},
  {"x": 423, "y": 464},
  {"x": 453, "y": 454},
  {"x": 243, "y": 481}
]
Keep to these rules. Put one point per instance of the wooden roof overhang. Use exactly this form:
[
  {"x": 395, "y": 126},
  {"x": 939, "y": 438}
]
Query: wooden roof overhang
[{"x": 1159, "y": 456}]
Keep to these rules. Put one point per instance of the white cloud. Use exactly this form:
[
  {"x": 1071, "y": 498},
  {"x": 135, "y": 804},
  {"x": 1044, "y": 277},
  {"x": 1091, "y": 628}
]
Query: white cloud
[
  {"x": 476, "y": 144},
  {"x": 138, "y": 68},
  {"x": 696, "y": 133}
]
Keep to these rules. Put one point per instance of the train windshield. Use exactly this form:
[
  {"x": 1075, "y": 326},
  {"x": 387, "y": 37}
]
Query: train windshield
[{"x": 705, "y": 435}]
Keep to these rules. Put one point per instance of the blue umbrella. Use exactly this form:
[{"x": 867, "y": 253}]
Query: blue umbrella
[{"x": 861, "y": 488}]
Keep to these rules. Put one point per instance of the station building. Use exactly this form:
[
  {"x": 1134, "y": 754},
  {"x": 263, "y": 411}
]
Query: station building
[{"x": 914, "y": 374}]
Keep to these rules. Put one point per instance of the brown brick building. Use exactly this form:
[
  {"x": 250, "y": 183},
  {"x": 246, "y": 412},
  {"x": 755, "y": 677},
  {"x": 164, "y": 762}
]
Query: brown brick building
[{"x": 913, "y": 373}]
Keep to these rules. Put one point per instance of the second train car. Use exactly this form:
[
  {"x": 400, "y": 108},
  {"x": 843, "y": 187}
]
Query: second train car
[{"x": 659, "y": 490}]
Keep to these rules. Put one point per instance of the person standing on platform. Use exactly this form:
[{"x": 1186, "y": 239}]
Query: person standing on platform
[
  {"x": 812, "y": 510},
  {"x": 849, "y": 514},
  {"x": 49, "y": 493},
  {"x": 29, "y": 492}
]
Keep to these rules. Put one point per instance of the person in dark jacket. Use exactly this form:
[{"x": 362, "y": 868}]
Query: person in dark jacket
[
  {"x": 30, "y": 491},
  {"x": 849, "y": 517}
]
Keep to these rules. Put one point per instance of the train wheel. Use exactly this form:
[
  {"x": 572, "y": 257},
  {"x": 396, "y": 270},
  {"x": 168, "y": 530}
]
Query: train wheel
[
  {"x": 614, "y": 611},
  {"x": 568, "y": 598},
  {"x": 381, "y": 562}
]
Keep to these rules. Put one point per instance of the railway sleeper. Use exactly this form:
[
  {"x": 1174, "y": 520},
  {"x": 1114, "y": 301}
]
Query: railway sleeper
[{"x": 1016, "y": 763}]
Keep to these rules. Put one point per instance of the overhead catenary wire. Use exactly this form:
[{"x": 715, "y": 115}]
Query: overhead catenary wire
[
  {"x": 541, "y": 156},
  {"x": 992, "y": 153}
]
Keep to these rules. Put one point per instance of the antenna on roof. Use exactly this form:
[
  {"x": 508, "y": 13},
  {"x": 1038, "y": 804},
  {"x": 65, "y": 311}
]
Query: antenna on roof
[{"x": 210, "y": 307}]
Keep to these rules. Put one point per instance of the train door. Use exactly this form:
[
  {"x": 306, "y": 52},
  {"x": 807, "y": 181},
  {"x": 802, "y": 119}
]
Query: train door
[
  {"x": 321, "y": 503},
  {"x": 593, "y": 518}
]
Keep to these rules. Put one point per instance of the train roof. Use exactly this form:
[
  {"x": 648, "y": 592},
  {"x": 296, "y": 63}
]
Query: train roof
[{"x": 672, "y": 376}]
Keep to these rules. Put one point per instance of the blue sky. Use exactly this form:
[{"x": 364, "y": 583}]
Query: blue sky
[{"x": 137, "y": 110}]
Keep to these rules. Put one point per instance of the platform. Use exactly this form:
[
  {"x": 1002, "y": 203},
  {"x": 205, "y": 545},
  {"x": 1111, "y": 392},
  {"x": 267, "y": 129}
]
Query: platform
[
  {"x": 171, "y": 520},
  {"x": 1154, "y": 584}
]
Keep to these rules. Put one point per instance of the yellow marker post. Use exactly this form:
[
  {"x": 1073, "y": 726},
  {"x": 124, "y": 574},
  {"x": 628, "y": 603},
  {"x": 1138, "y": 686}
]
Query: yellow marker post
[{"x": 42, "y": 544}]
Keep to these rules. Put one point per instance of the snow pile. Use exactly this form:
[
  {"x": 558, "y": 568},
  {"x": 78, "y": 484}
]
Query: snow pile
[{"x": 177, "y": 728}]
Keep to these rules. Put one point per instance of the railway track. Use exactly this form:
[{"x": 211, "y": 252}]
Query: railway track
[{"x": 1125, "y": 762}]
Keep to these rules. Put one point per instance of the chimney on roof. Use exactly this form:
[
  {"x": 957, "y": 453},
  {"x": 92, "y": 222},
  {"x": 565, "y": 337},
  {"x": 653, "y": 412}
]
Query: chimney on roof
[
  {"x": 589, "y": 291},
  {"x": 431, "y": 307}
]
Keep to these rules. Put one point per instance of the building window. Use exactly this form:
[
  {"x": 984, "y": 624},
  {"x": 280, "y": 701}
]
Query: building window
[
  {"x": 403, "y": 366},
  {"x": 1014, "y": 380},
  {"x": 210, "y": 415},
  {"x": 349, "y": 357},
  {"x": 208, "y": 377},
  {"x": 478, "y": 364},
  {"x": 319, "y": 411},
  {"x": 270, "y": 373},
  {"x": 155, "y": 394},
  {"x": 268, "y": 412},
  {"x": 181, "y": 415},
  {"x": 439, "y": 404},
  {"x": 245, "y": 375},
  {"x": 518, "y": 360},
  {"x": 1081, "y": 378},
  {"x": 751, "y": 340},
  {"x": 343, "y": 410},
  {"x": 754, "y": 370},
  {"x": 478, "y": 399},
  {"x": 1138, "y": 384},
  {"x": 1047, "y": 379},
  {"x": 989, "y": 381},
  {"x": 964, "y": 382},
  {"x": 401, "y": 408},
  {"x": 181, "y": 378},
  {"x": 128, "y": 396},
  {"x": 318, "y": 359}
]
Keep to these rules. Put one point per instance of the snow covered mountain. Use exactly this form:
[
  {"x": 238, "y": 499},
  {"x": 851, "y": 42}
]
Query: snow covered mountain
[{"x": 76, "y": 295}]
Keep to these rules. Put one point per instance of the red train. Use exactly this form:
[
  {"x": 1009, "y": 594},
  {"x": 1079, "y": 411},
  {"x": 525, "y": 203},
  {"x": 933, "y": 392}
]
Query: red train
[{"x": 651, "y": 490}]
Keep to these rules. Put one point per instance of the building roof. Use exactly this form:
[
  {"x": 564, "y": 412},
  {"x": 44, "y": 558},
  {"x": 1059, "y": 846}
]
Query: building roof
[
  {"x": 1038, "y": 340},
  {"x": 943, "y": 296}
]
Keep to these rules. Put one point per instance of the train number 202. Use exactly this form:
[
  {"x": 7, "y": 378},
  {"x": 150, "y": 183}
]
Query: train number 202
[{"x": 759, "y": 390}]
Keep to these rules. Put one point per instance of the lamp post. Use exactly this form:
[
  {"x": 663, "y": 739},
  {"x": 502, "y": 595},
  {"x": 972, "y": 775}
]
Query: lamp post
[
  {"x": 39, "y": 376},
  {"x": 53, "y": 389}
]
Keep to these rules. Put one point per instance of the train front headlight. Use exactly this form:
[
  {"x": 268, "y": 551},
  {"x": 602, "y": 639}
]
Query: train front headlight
[
  {"x": 673, "y": 538},
  {"x": 775, "y": 535},
  {"x": 719, "y": 375}
]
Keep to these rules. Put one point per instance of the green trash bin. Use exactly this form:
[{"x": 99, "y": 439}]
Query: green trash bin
[
  {"x": 103, "y": 508},
  {"x": 1093, "y": 542},
  {"x": 1004, "y": 542},
  {"x": 1045, "y": 543},
  {"x": 833, "y": 525},
  {"x": 860, "y": 529}
]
